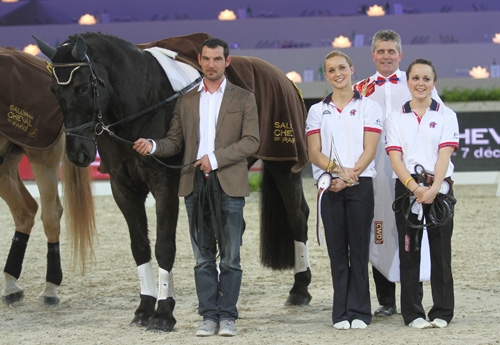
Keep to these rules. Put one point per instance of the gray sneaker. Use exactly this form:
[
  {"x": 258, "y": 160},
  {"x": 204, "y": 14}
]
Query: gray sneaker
[
  {"x": 207, "y": 328},
  {"x": 227, "y": 328}
]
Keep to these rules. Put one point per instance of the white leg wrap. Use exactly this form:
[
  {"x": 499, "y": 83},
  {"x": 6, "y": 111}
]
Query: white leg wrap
[
  {"x": 50, "y": 290},
  {"x": 10, "y": 285},
  {"x": 301, "y": 257},
  {"x": 165, "y": 284},
  {"x": 147, "y": 280}
]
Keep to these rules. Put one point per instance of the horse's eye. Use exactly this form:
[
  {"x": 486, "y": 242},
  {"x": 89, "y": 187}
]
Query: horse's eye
[{"x": 82, "y": 90}]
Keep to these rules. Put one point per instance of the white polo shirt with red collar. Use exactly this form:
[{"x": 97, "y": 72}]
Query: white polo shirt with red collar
[
  {"x": 419, "y": 139},
  {"x": 346, "y": 127}
]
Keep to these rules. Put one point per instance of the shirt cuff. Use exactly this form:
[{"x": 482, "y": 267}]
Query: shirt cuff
[
  {"x": 213, "y": 161},
  {"x": 153, "y": 149}
]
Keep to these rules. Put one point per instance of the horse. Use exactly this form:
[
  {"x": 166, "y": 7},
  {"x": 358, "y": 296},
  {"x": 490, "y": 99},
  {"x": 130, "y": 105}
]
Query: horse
[
  {"x": 31, "y": 125},
  {"x": 113, "y": 92}
]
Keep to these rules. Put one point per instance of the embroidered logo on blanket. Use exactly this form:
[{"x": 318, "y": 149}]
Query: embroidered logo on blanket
[
  {"x": 283, "y": 132},
  {"x": 21, "y": 119}
]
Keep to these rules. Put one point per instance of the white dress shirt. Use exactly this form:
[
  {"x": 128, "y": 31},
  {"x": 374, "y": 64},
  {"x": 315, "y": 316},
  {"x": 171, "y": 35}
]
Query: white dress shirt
[{"x": 209, "y": 114}]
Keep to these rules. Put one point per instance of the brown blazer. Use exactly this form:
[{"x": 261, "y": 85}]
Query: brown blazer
[{"x": 236, "y": 138}]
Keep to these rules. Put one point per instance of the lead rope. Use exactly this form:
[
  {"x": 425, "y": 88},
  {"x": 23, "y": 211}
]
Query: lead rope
[{"x": 440, "y": 212}]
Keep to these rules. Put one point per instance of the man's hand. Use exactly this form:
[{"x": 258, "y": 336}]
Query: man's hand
[
  {"x": 204, "y": 164},
  {"x": 143, "y": 146}
]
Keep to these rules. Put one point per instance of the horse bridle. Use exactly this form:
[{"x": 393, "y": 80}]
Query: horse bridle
[
  {"x": 73, "y": 131},
  {"x": 97, "y": 119}
]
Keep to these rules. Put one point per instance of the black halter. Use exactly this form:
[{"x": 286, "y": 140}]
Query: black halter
[{"x": 97, "y": 119}]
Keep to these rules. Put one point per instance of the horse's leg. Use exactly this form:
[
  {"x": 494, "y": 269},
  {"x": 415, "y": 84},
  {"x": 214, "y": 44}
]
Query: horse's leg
[
  {"x": 167, "y": 211},
  {"x": 288, "y": 191},
  {"x": 45, "y": 168},
  {"x": 130, "y": 198},
  {"x": 23, "y": 208}
]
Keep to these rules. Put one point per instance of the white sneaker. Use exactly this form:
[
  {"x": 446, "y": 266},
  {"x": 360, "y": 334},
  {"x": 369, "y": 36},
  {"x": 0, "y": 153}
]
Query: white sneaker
[
  {"x": 420, "y": 323},
  {"x": 359, "y": 324},
  {"x": 207, "y": 328},
  {"x": 342, "y": 325},
  {"x": 439, "y": 323},
  {"x": 227, "y": 328}
]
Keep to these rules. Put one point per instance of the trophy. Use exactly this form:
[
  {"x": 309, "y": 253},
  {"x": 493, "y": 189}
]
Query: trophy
[
  {"x": 336, "y": 166},
  {"x": 324, "y": 181}
]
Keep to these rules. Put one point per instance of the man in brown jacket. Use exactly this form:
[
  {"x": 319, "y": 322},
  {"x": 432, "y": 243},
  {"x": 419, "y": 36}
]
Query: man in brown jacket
[{"x": 217, "y": 125}]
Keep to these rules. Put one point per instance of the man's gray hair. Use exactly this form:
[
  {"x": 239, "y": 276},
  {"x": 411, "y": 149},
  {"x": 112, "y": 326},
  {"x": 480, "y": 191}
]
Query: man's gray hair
[{"x": 387, "y": 35}]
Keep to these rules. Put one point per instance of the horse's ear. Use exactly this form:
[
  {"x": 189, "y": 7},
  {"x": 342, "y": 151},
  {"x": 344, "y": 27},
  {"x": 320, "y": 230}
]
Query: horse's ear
[
  {"x": 79, "y": 51},
  {"x": 49, "y": 51}
]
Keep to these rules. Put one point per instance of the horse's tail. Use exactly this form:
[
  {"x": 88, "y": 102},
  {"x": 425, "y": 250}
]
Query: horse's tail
[
  {"x": 79, "y": 212},
  {"x": 277, "y": 250}
]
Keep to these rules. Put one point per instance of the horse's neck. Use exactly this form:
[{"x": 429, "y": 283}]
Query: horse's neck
[
  {"x": 136, "y": 89},
  {"x": 138, "y": 84}
]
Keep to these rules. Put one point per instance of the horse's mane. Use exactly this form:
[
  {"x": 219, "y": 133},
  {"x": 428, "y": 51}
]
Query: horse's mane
[
  {"x": 122, "y": 61},
  {"x": 91, "y": 35},
  {"x": 102, "y": 46}
]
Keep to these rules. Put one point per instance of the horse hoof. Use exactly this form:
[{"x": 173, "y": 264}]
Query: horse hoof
[
  {"x": 141, "y": 320},
  {"x": 13, "y": 298},
  {"x": 298, "y": 300},
  {"x": 48, "y": 301},
  {"x": 161, "y": 325}
]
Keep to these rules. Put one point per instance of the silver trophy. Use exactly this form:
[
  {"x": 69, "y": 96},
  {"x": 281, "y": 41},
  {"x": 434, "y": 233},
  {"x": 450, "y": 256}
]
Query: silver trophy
[{"x": 341, "y": 172}]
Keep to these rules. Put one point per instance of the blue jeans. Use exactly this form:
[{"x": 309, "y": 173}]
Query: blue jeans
[{"x": 218, "y": 292}]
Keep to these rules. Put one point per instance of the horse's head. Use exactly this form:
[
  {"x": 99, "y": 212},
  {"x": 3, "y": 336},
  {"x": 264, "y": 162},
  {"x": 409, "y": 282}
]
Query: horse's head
[{"x": 81, "y": 94}]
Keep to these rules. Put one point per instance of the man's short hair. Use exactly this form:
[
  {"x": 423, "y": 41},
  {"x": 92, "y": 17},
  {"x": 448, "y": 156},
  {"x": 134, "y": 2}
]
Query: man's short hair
[
  {"x": 387, "y": 35},
  {"x": 215, "y": 42}
]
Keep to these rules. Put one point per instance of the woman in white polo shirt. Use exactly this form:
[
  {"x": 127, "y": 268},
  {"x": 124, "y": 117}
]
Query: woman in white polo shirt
[
  {"x": 351, "y": 123},
  {"x": 421, "y": 137}
]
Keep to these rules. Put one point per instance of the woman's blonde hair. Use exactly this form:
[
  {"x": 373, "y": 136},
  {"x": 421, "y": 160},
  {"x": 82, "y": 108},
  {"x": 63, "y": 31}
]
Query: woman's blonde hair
[{"x": 337, "y": 53}]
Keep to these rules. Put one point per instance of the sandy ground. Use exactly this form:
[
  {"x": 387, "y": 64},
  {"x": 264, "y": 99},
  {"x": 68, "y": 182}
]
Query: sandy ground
[{"x": 96, "y": 308}]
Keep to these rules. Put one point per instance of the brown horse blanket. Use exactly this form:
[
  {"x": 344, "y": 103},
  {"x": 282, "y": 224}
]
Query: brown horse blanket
[
  {"x": 29, "y": 113},
  {"x": 282, "y": 112}
]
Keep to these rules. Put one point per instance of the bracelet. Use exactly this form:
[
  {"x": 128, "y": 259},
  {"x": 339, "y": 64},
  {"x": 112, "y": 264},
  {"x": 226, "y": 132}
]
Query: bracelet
[
  {"x": 408, "y": 181},
  {"x": 413, "y": 191}
]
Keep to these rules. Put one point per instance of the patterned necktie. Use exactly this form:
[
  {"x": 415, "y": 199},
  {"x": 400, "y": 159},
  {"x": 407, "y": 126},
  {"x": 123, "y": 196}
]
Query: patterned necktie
[{"x": 381, "y": 80}]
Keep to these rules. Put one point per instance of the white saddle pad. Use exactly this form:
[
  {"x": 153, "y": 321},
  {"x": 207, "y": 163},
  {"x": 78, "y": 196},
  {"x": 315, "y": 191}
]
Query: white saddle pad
[{"x": 178, "y": 73}]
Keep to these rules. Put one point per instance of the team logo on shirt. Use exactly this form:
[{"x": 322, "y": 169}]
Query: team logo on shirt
[
  {"x": 432, "y": 124},
  {"x": 456, "y": 135},
  {"x": 327, "y": 112},
  {"x": 379, "y": 122},
  {"x": 353, "y": 112}
]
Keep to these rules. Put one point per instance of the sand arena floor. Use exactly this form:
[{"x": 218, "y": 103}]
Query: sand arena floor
[{"x": 96, "y": 308}]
